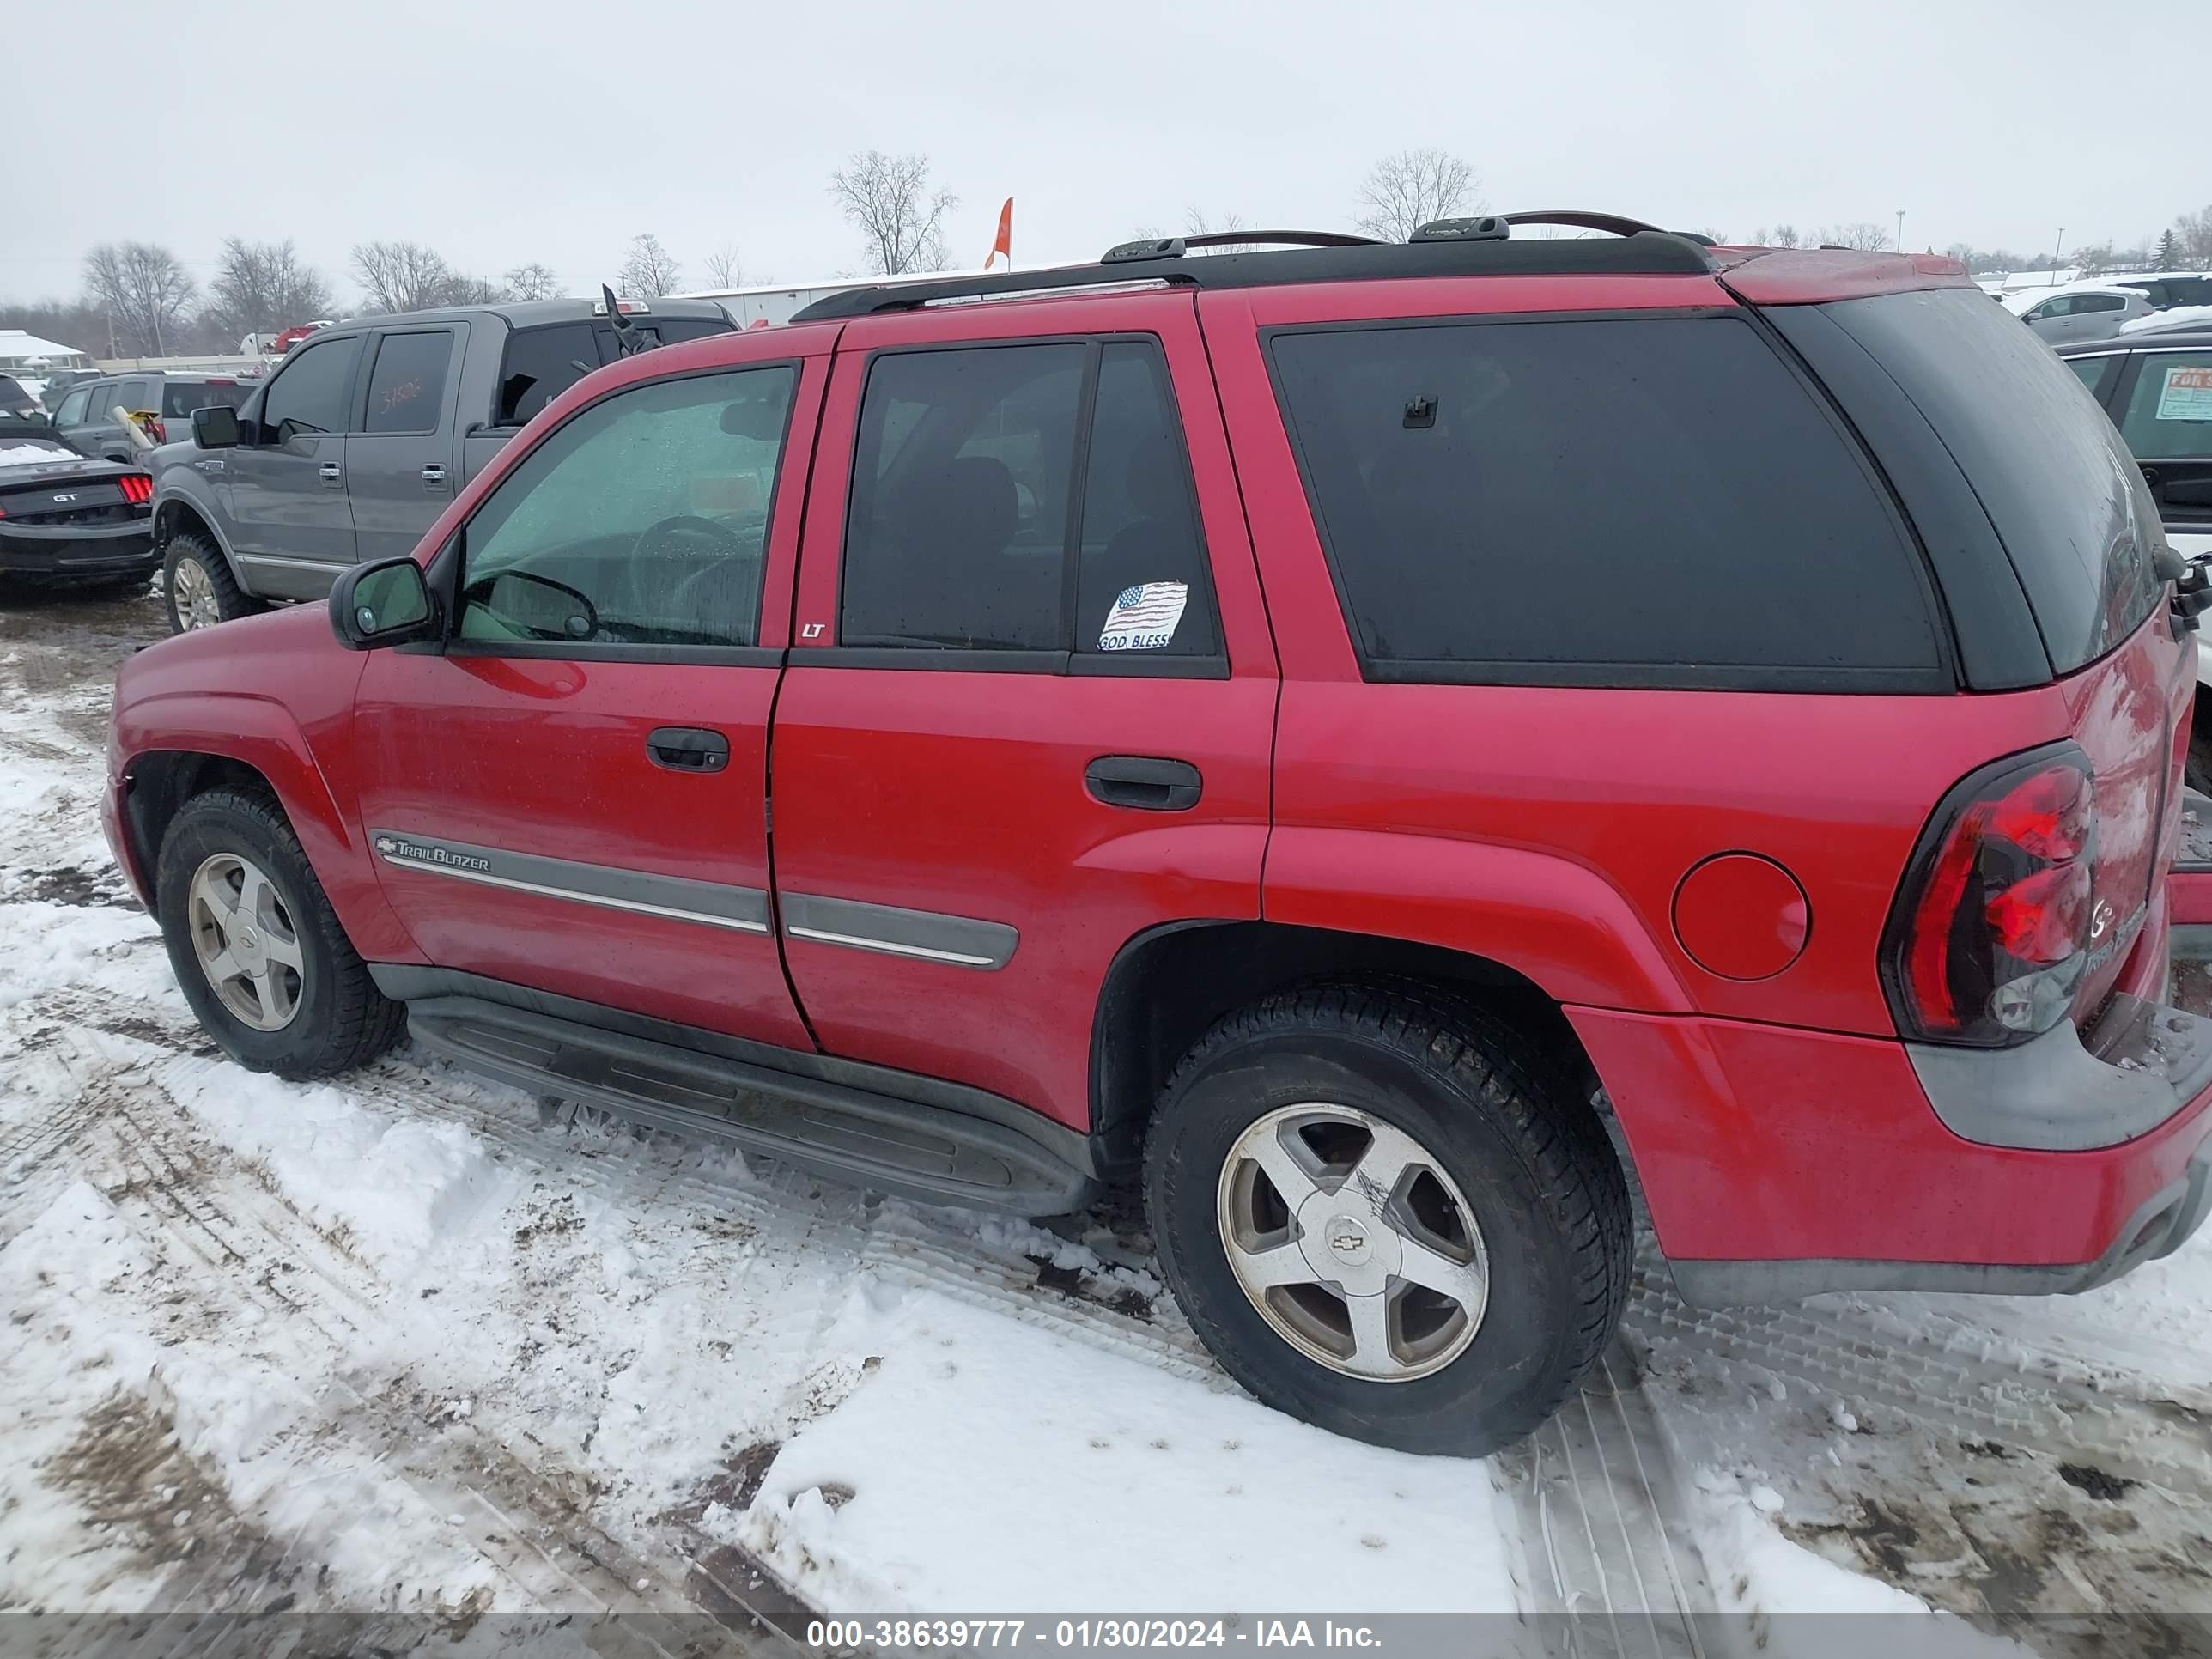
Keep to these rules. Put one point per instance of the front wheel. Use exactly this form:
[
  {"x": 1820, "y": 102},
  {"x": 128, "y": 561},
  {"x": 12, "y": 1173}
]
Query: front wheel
[
  {"x": 257, "y": 951},
  {"x": 1389, "y": 1217},
  {"x": 198, "y": 587}
]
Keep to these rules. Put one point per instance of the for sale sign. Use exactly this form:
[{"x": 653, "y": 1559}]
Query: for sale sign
[{"x": 2186, "y": 396}]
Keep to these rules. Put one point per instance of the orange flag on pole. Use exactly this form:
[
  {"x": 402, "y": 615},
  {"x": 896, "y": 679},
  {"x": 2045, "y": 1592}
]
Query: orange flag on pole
[{"x": 1002, "y": 247}]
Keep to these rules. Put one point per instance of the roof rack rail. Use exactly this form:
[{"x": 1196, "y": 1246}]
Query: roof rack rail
[
  {"x": 1344, "y": 260},
  {"x": 1580, "y": 219},
  {"x": 1614, "y": 223},
  {"x": 1174, "y": 247}
]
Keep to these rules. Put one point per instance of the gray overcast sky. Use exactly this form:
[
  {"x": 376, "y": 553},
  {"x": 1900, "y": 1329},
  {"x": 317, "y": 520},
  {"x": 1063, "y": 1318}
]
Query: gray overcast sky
[{"x": 554, "y": 131}]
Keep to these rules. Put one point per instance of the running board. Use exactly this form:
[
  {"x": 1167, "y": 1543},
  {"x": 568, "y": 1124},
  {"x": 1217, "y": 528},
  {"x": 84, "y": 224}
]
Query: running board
[{"x": 881, "y": 1142}]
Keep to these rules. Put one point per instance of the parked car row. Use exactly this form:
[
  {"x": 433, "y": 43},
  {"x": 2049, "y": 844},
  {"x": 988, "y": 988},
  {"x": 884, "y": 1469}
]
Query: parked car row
[
  {"x": 2099, "y": 311},
  {"x": 91, "y": 414}
]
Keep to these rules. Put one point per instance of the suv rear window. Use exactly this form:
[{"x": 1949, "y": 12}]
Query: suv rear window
[
  {"x": 180, "y": 397},
  {"x": 1654, "y": 500},
  {"x": 2050, "y": 470}
]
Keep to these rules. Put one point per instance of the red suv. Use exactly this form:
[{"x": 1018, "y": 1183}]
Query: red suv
[{"x": 1390, "y": 746}]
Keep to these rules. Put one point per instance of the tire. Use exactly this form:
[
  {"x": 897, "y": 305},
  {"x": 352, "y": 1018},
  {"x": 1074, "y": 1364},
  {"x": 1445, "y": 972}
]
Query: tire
[
  {"x": 1528, "y": 1156},
  {"x": 223, "y": 595},
  {"x": 338, "y": 1019},
  {"x": 2196, "y": 771}
]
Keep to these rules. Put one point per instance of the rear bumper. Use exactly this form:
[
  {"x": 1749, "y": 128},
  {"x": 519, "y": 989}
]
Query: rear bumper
[
  {"x": 97, "y": 549},
  {"x": 1781, "y": 1164}
]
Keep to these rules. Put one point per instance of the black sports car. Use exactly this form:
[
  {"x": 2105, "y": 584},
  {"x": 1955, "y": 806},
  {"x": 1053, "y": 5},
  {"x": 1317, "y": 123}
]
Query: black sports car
[{"x": 67, "y": 516}]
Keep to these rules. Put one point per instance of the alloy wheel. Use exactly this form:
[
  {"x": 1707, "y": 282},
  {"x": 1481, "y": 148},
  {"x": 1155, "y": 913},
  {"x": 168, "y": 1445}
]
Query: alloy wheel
[
  {"x": 1352, "y": 1242},
  {"x": 245, "y": 941},
  {"x": 196, "y": 602}
]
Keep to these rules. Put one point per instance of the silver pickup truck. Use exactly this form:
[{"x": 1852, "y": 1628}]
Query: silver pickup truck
[{"x": 358, "y": 441}]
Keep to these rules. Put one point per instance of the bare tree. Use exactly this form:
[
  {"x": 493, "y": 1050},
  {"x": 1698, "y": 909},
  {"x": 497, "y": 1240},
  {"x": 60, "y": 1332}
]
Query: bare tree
[
  {"x": 1196, "y": 222},
  {"x": 532, "y": 282},
  {"x": 458, "y": 289},
  {"x": 648, "y": 269},
  {"x": 402, "y": 275},
  {"x": 900, "y": 218},
  {"x": 724, "y": 269},
  {"x": 2094, "y": 258},
  {"x": 1862, "y": 234},
  {"x": 143, "y": 289},
  {"x": 1404, "y": 192},
  {"x": 262, "y": 287},
  {"x": 2194, "y": 232}
]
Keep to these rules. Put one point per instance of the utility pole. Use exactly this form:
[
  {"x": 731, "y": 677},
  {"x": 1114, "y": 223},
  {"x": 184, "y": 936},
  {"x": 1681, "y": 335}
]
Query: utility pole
[
  {"x": 1900, "y": 230},
  {"x": 2061, "y": 243}
]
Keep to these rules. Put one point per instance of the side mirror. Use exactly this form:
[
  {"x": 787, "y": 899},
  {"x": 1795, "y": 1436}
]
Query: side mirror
[
  {"x": 216, "y": 426},
  {"x": 389, "y": 603}
]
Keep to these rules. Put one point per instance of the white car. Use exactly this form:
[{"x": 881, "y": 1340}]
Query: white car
[{"x": 2079, "y": 312}]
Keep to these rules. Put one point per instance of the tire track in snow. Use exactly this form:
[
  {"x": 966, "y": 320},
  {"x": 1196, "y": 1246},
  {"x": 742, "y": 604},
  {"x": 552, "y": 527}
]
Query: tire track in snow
[{"x": 182, "y": 1191}]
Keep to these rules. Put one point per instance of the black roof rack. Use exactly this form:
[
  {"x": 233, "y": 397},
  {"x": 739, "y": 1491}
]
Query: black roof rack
[{"x": 1645, "y": 252}]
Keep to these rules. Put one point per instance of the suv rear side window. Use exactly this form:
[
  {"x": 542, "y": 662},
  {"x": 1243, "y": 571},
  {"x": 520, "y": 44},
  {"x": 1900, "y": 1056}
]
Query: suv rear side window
[
  {"x": 642, "y": 521},
  {"x": 1030, "y": 498},
  {"x": 2169, "y": 414},
  {"x": 1653, "y": 502},
  {"x": 407, "y": 386},
  {"x": 2052, "y": 474}
]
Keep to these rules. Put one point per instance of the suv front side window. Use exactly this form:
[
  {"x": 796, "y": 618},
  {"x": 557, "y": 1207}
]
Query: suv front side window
[
  {"x": 71, "y": 412},
  {"x": 308, "y": 395},
  {"x": 642, "y": 521}
]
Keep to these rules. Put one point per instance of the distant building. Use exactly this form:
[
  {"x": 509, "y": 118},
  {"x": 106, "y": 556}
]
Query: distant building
[{"x": 24, "y": 353}]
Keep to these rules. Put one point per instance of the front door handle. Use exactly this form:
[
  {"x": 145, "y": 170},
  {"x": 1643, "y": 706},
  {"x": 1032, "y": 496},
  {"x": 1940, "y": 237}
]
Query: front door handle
[
  {"x": 433, "y": 476},
  {"x": 331, "y": 472},
  {"x": 1143, "y": 781},
  {"x": 687, "y": 749}
]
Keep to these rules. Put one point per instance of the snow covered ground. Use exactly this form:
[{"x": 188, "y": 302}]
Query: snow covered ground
[{"x": 407, "y": 1347}]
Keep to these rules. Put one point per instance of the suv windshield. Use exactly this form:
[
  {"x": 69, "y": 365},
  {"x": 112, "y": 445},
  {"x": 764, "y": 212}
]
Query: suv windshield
[{"x": 2051, "y": 472}]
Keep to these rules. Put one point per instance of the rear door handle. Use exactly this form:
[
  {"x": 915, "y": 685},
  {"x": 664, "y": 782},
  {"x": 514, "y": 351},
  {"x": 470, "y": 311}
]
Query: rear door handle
[
  {"x": 433, "y": 476},
  {"x": 1143, "y": 781},
  {"x": 687, "y": 749},
  {"x": 332, "y": 472}
]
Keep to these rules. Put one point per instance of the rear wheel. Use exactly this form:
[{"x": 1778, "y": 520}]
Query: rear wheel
[
  {"x": 197, "y": 588},
  {"x": 257, "y": 951},
  {"x": 1390, "y": 1217}
]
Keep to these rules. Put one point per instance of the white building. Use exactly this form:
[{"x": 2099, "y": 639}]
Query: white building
[{"x": 22, "y": 354}]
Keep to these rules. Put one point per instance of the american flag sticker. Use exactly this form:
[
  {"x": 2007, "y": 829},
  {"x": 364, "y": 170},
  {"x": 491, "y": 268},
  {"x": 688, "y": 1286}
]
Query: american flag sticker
[{"x": 1143, "y": 618}]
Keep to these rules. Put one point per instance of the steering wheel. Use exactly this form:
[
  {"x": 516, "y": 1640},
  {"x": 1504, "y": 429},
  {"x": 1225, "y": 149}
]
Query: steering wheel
[{"x": 687, "y": 524}]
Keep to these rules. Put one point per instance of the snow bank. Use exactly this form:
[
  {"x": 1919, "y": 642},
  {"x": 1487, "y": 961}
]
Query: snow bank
[
  {"x": 983, "y": 1461},
  {"x": 2172, "y": 317},
  {"x": 393, "y": 1192}
]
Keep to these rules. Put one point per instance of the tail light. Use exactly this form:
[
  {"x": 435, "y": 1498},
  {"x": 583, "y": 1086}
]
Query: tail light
[
  {"x": 137, "y": 487},
  {"x": 161, "y": 432},
  {"x": 1988, "y": 941}
]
